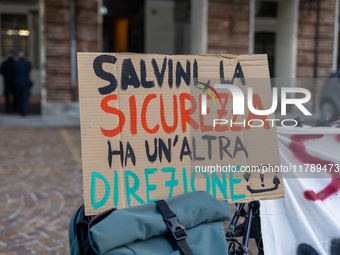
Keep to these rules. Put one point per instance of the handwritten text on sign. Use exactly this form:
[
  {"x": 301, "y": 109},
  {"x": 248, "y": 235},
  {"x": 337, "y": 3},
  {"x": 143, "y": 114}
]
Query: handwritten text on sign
[{"x": 143, "y": 132}]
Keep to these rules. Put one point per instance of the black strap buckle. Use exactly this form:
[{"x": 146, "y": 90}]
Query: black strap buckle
[{"x": 177, "y": 229}]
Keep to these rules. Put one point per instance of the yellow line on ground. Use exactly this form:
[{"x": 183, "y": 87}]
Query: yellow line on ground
[{"x": 72, "y": 147}]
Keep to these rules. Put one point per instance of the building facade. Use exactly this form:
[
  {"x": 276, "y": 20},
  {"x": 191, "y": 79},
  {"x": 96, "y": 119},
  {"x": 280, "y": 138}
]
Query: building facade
[{"x": 299, "y": 36}]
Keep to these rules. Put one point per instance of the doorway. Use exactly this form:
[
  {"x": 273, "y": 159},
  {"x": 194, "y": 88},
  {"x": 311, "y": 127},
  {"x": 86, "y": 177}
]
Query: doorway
[{"x": 19, "y": 30}]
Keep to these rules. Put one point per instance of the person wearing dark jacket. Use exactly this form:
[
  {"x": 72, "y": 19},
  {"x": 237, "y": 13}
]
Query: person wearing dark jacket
[
  {"x": 23, "y": 82},
  {"x": 7, "y": 69}
]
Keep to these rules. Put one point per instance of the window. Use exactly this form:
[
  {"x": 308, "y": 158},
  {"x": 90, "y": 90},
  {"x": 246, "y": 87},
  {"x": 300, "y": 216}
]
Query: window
[
  {"x": 182, "y": 27},
  {"x": 265, "y": 44},
  {"x": 267, "y": 9},
  {"x": 14, "y": 33}
]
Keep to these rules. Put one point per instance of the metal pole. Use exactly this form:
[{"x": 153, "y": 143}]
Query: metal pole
[
  {"x": 73, "y": 50},
  {"x": 234, "y": 220},
  {"x": 316, "y": 52},
  {"x": 247, "y": 226}
]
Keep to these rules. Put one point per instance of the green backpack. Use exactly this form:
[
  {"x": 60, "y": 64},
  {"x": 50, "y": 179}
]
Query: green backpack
[{"x": 191, "y": 223}]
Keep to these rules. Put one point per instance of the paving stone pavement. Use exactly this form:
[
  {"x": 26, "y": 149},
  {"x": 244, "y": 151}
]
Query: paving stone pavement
[{"x": 40, "y": 189}]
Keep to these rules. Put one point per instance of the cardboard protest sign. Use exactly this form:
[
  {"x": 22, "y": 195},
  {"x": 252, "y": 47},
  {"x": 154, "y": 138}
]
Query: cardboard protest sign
[{"x": 156, "y": 126}]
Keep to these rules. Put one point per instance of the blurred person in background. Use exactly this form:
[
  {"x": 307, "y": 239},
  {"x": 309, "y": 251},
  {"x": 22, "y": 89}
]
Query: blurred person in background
[
  {"x": 8, "y": 71},
  {"x": 23, "y": 82}
]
